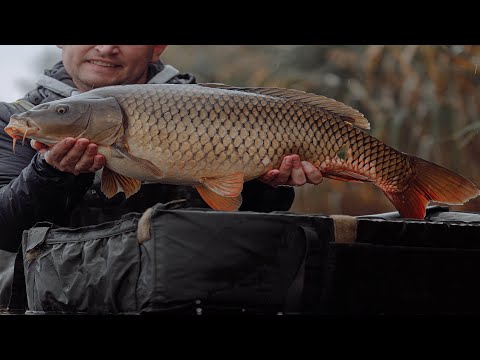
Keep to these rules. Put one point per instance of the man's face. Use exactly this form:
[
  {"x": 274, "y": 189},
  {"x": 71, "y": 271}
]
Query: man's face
[{"x": 94, "y": 66}]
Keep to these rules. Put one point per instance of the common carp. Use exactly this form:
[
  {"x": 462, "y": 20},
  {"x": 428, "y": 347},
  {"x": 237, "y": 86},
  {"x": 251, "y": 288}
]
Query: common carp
[{"x": 215, "y": 137}]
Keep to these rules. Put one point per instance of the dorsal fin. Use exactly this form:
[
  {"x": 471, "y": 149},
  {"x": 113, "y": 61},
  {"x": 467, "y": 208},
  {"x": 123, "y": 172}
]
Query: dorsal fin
[{"x": 345, "y": 112}]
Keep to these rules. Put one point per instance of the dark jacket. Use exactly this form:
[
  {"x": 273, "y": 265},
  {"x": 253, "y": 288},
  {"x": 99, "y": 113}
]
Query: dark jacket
[{"x": 32, "y": 190}]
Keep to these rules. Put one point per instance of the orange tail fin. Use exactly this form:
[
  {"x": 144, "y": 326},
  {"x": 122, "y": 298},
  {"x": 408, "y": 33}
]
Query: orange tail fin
[{"x": 431, "y": 183}]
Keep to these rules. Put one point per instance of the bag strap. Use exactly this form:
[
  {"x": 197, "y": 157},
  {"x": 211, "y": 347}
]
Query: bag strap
[
  {"x": 345, "y": 228},
  {"x": 33, "y": 237},
  {"x": 293, "y": 301},
  {"x": 18, "y": 292},
  {"x": 143, "y": 227}
]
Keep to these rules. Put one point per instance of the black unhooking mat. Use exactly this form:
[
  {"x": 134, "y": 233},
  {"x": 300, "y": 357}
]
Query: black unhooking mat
[
  {"x": 185, "y": 261},
  {"x": 404, "y": 267},
  {"x": 170, "y": 260}
]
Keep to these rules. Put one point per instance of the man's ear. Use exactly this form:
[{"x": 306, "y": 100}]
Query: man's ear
[{"x": 157, "y": 51}]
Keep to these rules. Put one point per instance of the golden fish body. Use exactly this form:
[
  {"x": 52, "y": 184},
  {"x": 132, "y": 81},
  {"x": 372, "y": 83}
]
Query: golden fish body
[
  {"x": 191, "y": 132},
  {"x": 221, "y": 132},
  {"x": 215, "y": 137}
]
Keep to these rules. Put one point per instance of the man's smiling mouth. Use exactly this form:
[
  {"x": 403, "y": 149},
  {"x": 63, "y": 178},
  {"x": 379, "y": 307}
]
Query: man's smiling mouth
[{"x": 103, "y": 63}]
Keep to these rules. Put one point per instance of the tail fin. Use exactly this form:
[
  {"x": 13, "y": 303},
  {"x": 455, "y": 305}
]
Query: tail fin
[{"x": 431, "y": 183}]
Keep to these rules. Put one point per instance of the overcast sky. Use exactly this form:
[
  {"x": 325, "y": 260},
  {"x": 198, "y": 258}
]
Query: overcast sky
[{"x": 17, "y": 62}]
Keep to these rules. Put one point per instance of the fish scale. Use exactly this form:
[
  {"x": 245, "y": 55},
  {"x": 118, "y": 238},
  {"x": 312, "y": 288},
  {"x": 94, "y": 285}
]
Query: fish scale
[{"x": 215, "y": 137}]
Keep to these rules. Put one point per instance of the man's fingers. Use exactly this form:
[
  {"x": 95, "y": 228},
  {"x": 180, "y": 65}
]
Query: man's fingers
[
  {"x": 293, "y": 172},
  {"x": 284, "y": 171},
  {"x": 86, "y": 160},
  {"x": 98, "y": 163},
  {"x": 297, "y": 177},
  {"x": 313, "y": 174},
  {"x": 75, "y": 156},
  {"x": 269, "y": 176},
  {"x": 58, "y": 151}
]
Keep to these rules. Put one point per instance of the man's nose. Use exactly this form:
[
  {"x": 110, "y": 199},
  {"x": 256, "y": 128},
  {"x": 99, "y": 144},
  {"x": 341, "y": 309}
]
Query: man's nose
[{"x": 107, "y": 49}]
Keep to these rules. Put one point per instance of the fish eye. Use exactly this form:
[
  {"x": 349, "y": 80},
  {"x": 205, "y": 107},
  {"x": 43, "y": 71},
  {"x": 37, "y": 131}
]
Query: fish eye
[{"x": 61, "y": 109}]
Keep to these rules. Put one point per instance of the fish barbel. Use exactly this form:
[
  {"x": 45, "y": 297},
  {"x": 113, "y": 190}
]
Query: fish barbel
[{"x": 215, "y": 137}]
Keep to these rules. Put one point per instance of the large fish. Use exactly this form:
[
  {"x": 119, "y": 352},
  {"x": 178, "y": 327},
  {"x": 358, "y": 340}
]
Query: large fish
[{"x": 214, "y": 137}]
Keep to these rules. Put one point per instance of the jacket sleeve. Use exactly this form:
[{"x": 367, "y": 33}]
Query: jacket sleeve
[
  {"x": 31, "y": 190},
  {"x": 38, "y": 193}
]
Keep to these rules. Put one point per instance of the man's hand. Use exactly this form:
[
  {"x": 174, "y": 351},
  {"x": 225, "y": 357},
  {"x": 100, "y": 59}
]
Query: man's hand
[
  {"x": 72, "y": 155},
  {"x": 293, "y": 172}
]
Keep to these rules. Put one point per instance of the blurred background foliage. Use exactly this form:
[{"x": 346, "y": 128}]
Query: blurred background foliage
[{"x": 420, "y": 99}]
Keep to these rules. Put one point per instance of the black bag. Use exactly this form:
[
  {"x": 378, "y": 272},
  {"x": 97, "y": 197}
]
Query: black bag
[
  {"x": 169, "y": 260},
  {"x": 175, "y": 260}
]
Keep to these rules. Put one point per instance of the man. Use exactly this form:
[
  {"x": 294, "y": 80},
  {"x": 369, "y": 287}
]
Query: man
[{"x": 60, "y": 184}]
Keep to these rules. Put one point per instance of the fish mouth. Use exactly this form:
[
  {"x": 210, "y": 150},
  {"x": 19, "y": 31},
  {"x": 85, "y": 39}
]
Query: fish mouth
[{"x": 20, "y": 131}]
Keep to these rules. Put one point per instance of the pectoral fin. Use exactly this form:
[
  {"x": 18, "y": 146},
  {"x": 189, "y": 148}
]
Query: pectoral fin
[
  {"x": 113, "y": 183},
  {"x": 219, "y": 202},
  {"x": 146, "y": 165},
  {"x": 229, "y": 186}
]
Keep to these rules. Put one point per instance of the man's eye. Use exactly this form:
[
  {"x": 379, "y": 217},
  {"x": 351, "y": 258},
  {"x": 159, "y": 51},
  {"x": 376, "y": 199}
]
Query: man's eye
[{"x": 61, "y": 109}]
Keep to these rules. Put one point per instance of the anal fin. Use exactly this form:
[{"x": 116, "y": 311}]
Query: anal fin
[{"x": 113, "y": 183}]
